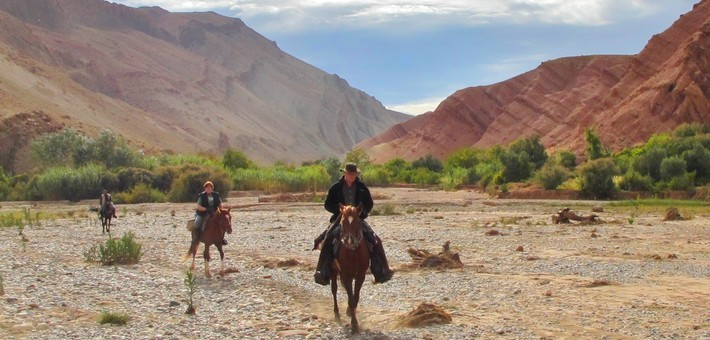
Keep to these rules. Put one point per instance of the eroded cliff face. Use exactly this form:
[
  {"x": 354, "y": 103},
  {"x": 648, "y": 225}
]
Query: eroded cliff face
[
  {"x": 626, "y": 98},
  {"x": 180, "y": 81}
]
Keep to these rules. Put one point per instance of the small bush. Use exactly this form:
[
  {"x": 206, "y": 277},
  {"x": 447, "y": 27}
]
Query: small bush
[
  {"x": 566, "y": 159},
  {"x": 596, "y": 178},
  {"x": 386, "y": 209},
  {"x": 112, "y": 318},
  {"x": 634, "y": 181},
  {"x": 234, "y": 159},
  {"x": 120, "y": 251},
  {"x": 552, "y": 175},
  {"x": 130, "y": 177},
  {"x": 141, "y": 193}
]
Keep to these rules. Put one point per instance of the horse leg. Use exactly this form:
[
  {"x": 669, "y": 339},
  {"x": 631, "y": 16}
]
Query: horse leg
[
  {"x": 221, "y": 258},
  {"x": 334, "y": 290},
  {"x": 348, "y": 283},
  {"x": 108, "y": 227},
  {"x": 207, "y": 261},
  {"x": 359, "y": 279}
]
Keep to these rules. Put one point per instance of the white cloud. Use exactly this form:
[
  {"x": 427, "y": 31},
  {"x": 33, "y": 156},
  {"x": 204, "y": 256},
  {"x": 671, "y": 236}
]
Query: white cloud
[
  {"x": 418, "y": 107},
  {"x": 310, "y": 14}
]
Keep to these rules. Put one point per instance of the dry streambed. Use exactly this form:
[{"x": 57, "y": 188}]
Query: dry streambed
[{"x": 529, "y": 279}]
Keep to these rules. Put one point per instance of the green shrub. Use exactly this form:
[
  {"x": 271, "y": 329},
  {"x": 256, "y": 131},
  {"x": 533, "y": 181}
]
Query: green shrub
[
  {"x": 566, "y": 159},
  {"x": 463, "y": 158},
  {"x": 596, "y": 178},
  {"x": 424, "y": 177},
  {"x": 56, "y": 149},
  {"x": 452, "y": 179},
  {"x": 141, "y": 193},
  {"x": 376, "y": 175},
  {"x": 698, "y": 161},
  {"x": 189, "y": 184},
  {"x": 233, "y": 159},
  {"x": 551, "y": 175},
  {"x": 634, "y": 181},
  {"x": 399, "y": 170},
  {"x": 516, "y": 166},
  {"x": 428, "y": 162},
  {"x": 120, "y": 251},
  {"x": 112, "y": 318},
  {"x": 685, "y": 181},
  {"x": 130, "y": 177},
  {"x": 649, "y": 163},
  {"x": 672, "y": 167},
  {"x": 533, "y": 148}
]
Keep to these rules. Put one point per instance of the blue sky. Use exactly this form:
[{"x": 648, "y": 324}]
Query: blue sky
[{"x": 411, "y": 54}]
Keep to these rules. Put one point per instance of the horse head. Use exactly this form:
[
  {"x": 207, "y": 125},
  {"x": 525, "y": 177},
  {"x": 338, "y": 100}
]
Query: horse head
[
  {"x": 351, "y": 235},
  {"x": 224, "y": 219}
]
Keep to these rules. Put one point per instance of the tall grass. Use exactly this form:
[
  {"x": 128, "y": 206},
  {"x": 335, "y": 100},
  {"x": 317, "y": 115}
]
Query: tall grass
[
  {"x": 659, "y": 202},
  {"x": 282, "y": 179},
  {"x": 70, "y": 184}
]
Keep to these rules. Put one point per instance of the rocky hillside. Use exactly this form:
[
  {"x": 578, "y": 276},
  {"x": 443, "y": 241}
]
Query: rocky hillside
[
  {"x": 626, "y": 98},
  {"x": 184, "y": 82}
]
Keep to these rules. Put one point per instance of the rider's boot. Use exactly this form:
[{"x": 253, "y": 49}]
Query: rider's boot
[
  {"x": 378, "y": 260},
  {"x": 325, "y": 260}
]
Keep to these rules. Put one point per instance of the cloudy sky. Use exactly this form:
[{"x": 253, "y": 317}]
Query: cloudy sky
[{"x": 411, "y": 54}]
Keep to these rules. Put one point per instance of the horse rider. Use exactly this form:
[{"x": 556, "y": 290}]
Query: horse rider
[
  {"x": 106, "y": 203},
  {"x": 350, "y": 190},
  {"x": 208, "y": 202}
]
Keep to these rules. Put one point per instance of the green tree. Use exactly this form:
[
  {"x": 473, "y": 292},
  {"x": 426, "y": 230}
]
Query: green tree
[
  {"x": 698, "y": 161},
  {"x": 428, "y": 162},
  {"x": 672, "y": 167},
  {"x": 57, "y": 148},
  {"x": 235, "y": 159},
  {"x": 566, "y": 159},
  {"x": 649, "y": 162},
  {"x": 551, "y": 175},
  {"x": 597, "y": 178},
  {"x": 595, "y": 148},
  {"x": 516, "y": 166},
  {"x": 359, "y": 157},
  {"x": 533, "y": 148}
]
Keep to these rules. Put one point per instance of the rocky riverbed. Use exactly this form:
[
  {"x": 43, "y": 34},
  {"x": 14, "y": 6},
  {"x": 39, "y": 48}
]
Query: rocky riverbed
[{"x": 641, "y": 279}]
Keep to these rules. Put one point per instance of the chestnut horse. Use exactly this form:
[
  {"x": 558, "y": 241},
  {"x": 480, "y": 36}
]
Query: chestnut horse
[
  {"x": 351, "y": 263},
  {"x": 106, "y": 216},
  {"x": 217, "y": 224}
]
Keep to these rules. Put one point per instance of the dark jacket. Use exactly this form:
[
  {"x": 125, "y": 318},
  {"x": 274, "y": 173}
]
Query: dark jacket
[
  {"x": 335, "y": 198},
  {"x": 203, "y": 200}
]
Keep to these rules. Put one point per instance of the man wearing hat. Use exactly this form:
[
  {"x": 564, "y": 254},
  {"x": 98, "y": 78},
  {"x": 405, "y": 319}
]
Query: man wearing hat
[
  {"x": 208, "y": 202},
  {"x": 350, "y": 190}
]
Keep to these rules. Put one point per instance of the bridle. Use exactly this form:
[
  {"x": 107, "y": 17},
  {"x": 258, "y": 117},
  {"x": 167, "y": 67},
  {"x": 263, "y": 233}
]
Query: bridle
[{"x": 348, "y": 239}]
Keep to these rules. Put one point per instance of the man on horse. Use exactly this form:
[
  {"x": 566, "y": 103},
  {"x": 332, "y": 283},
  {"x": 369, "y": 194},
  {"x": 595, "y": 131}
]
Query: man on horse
[
  {"x": 350, "y": 190},
  {"x": 106, "y": 204},
  {"x": 208, "y": 202}
]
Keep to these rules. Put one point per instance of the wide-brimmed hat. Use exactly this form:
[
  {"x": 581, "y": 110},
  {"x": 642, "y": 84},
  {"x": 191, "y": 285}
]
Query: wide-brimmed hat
[
  {"x": 208, "y": 183},
  {"x": 350, "y": 168}
]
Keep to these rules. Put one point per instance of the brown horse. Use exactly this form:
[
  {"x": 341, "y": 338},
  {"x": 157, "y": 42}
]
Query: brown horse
[
  {"x": 106, "y": 216},
  {"x": 217, "y": 224},
  {"x": 351, "y": 263}
]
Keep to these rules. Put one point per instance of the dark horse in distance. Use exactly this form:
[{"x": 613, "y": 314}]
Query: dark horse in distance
[
  {"x": 106, "y": 215},
  {"x": 219, "y": 223},
  {"x": 351, "y": 263}
]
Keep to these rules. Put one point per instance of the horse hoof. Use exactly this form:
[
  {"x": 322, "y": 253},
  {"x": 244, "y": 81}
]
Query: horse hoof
[
  {"x": 338, "y": 321},
  {"x": 208, "y": 274},
  {"x": 355, "y": 329},
  {"x": 348, "y": 312}
]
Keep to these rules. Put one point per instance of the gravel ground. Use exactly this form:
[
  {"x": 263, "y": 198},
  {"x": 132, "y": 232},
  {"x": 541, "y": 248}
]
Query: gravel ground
[{"x": 653, "y": 277}]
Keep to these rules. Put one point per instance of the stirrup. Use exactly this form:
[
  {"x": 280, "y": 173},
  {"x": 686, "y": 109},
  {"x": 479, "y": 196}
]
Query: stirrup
[{"x": 318, "y": 277}]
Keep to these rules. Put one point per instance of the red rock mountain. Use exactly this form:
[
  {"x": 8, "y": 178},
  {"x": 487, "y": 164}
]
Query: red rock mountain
[
  {"x": 180, "y": 81},
  {"x": 626, "y": 98}
]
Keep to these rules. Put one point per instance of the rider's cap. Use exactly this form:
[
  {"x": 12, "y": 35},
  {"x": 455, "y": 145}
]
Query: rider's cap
[
  {"x": 351, "y": 168},
  {"x": 208, "y": 183}
]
